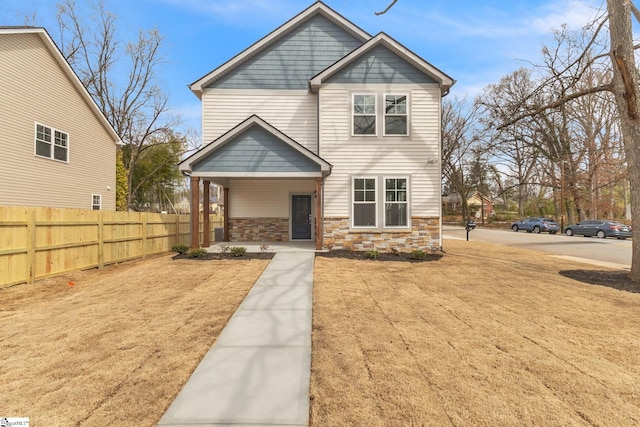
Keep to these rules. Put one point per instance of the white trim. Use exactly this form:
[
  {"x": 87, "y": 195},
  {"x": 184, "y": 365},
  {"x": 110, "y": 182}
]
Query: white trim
[
  {"x": 407, "y": 114},
  {"x": 352, "y": 189},
  {"x": 384, "y": 201},
  {"x": 375, "y": 113},
  {"x": 257, "y": 174},
  {"x": 66, "y": 68},
  {"x": 185, "y": 165},
  {"x": 444, "y": 80},
  {"x": 52, "y": 143},
  {"x": 99, "y": 196},
  {"x": 199, "y": 85}
]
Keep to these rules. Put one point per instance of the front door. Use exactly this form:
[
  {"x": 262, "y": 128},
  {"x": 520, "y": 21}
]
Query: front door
[{"x": 301, "y": 217}]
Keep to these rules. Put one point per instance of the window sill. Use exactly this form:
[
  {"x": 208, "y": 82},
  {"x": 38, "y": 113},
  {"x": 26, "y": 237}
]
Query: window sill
[{"x": 380, "y": 230}]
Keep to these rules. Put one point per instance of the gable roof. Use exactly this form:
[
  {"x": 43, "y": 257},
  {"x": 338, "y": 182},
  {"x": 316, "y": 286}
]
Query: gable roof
[
  {"x": 66, "y": 68},
  {"x": 187, "y": 165},
  {"x": 317, "y": 8},
  {"x": 383, "y": 39}
]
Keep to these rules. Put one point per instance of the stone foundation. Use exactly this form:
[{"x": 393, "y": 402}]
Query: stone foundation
[
  {"x": 259, "y": 229},
  {"x": 424, "y": 235}
]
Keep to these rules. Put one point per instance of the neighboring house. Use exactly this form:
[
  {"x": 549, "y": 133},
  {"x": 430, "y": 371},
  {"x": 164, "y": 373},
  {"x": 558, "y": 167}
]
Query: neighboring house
[
  {"x": 322, "y": 132},
  {"x": 475, "y": 202},
  {"x": 58, "y": 148}
]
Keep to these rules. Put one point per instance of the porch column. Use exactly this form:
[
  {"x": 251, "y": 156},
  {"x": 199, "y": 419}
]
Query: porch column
[
  {"x": 319, "y": 214},
  {"x": 225, "y": 191},
  {"x": 195, "y": 212},
  {"x": 206, "y": 240}
]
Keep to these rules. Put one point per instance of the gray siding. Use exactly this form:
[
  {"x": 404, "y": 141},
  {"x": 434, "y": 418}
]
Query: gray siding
[
  {"x": 293, "y": 59},
  {"x": 256, "y": 150},
  {"x": 380, "y": 65}
]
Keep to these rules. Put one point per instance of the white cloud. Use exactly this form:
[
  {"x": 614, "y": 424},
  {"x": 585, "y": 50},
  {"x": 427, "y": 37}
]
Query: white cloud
[{"x": 575, "y": 14}]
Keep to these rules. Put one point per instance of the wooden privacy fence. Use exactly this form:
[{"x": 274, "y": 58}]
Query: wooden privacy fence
[{"x": 41, "y": 242}]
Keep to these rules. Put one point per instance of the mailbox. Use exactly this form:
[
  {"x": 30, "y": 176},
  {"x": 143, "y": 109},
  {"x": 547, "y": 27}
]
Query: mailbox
[{"x": 471, "y": 224}]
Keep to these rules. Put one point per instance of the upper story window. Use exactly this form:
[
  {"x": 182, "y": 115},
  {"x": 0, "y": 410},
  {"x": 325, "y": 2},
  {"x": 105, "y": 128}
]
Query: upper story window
[
  {"x": 364, "y": 114},
  {"x": 395, "y": 115},
  {"x": 51, "y": 143}
]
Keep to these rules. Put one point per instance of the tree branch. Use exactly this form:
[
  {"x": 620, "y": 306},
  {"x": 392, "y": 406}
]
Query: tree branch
[{"x": 387, "y": 9}]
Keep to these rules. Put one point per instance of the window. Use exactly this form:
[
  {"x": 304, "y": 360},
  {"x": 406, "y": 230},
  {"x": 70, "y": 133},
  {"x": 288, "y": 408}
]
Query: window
[
  {"x": 378, "y": 197},
  {"x": 364, "y": 114},
  {"x": 96, "y": 202},
  {"x": 52, "y": 143},
  {"x": 395, "y": 115},
  {"x": 364, "y": 202},
  {"x": 395, "y": 206}
]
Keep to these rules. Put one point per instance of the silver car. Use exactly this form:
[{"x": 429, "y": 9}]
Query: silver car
[{"x": 600, "y": 228}]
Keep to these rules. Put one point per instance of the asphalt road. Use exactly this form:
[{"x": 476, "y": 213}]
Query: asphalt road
[{"x": 601, "y": 251}]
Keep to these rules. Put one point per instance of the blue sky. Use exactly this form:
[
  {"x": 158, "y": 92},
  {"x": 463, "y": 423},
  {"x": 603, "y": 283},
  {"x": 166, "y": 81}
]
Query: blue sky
[{"x": 474, "y": 41}]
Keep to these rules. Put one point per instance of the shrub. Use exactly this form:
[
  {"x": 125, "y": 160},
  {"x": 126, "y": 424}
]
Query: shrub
[
  {"x": 181, "y": 249},
  {"x": 238, "y": 251},
  {"x": 418, "y": 254},
  {"x": 197, "y": 253},
  {"x": 373, "y": 254}
]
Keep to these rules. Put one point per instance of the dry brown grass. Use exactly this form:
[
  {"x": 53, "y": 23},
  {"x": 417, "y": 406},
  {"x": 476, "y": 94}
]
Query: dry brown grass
[
  {"x": 117, "y": 346},
  {"x": 488, "y": 335}
]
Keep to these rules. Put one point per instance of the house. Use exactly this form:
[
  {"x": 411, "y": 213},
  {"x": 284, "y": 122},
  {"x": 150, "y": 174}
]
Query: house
[
  {"x": 59, "y": 150},
  {"x": 476, "y": 202},
  {"x": 321, "y": 132}
]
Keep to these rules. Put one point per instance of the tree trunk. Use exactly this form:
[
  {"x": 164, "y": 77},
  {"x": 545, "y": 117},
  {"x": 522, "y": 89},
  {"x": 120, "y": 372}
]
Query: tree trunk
[{"x": 625, "y": 89}]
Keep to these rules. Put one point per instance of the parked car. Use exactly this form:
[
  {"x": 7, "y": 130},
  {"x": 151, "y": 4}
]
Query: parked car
[
  {"x": 601, "y": 228},
  {"x": 536, "y": 225}
]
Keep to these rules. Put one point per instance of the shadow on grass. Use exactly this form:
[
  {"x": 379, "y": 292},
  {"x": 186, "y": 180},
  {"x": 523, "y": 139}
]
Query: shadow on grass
[{"x": 613, "y": 279}]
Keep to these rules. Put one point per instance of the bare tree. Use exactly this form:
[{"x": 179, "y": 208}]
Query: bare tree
[
  {"x": 122, "y": 79},
  {"x": 460, "y": 138}
]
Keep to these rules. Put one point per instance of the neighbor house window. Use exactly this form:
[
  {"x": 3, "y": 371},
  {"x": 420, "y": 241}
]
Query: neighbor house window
[
  {"x": 395, "y": 202},
  {"x": 364, "y": 202},
  {"x": 364, "y": 114},
  {"x": 96, "y": 202},
  {"x": 52, "y": 143},
  {"x": 395, "y": 115}
]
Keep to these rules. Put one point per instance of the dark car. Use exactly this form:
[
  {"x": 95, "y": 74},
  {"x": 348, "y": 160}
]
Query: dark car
[
  {"x": 536, "y": 225},
  {"x": 601, "y": 228}
]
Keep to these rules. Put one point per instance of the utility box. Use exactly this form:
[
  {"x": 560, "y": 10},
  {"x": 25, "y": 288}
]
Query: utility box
[{"x": 218, "y": 234}]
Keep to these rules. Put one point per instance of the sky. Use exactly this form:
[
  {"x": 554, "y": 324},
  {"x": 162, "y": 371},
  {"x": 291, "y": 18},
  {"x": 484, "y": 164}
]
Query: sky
[{"x": 476, "y": 42}]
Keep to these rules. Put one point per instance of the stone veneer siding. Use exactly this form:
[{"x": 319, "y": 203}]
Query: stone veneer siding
[
  {"x": 259, "y": 229},
  {"x": 424, "y": 235}
]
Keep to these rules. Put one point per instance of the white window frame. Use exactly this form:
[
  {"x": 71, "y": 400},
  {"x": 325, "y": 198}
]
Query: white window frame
[
  {"x": 353, "y": 114},
  {"x": 375, "y": 202},
  {"x": 407, "y": 202},
  {"x": 93, "y": 202},
  {"x": 54, "y": 136},
  {"x": 385, "y": 115}
]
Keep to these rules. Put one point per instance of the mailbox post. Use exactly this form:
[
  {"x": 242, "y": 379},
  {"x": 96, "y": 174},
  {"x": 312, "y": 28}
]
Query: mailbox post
[{"x": 471, "y": 225}]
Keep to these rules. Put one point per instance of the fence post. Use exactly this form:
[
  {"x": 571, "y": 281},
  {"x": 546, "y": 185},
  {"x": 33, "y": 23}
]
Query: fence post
[
  {"x": 100, "y": 240},
  {"x": 31, "y": 246},
  {"x": 177, "y": 229},
  {"x": 144, "y": 233}
]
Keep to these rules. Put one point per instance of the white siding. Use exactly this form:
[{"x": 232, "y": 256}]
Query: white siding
[
  {"x": 265, "y": 198},
  {"x": 293, "y": 112},
  {"x": 417, "y": 155},
  {"x": 33, "y": 89}
]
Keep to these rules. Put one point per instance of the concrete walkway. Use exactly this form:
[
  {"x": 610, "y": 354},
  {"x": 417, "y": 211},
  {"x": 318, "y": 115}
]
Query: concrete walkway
[{"x": 258, "y": 370}]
